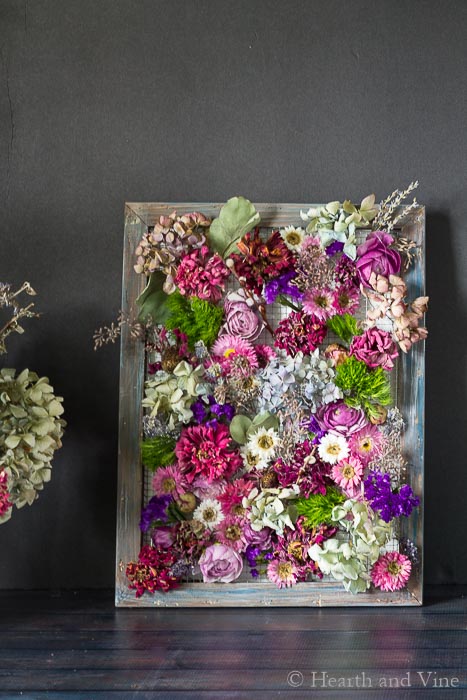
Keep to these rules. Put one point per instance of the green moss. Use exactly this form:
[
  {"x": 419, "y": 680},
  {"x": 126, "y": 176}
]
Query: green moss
[
  {"x": 197, "y": 318},
  {"x": 317, "y": 508}
]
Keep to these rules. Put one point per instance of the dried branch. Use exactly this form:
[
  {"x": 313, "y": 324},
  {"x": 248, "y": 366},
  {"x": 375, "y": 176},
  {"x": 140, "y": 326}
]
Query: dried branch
[
  {"x": 10, "y": 299},
  {"x": 385, "y": 218}
]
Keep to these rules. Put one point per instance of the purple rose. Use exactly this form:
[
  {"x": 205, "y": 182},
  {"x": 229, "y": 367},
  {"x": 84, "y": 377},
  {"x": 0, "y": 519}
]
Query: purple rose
[
  {"x": 340, "y": 418},
  {"x": 375, "y": 347},
  {"x": 240, "y": 319},
  {"x": 162, "y": 537},
  {"x": 258, "y": 538},
  {"x": 376, "y": 258},
  {"x": 220, "y": 563}
]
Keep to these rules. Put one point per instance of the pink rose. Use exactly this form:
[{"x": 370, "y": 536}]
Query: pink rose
[
  {"x": 240, "y": 318},
  {"x": 375, "y": 347},
  {"x": 375, "y": 258},
  {"x": 340, "y": 418},
  {"x": 220, "y": 563},
  {"x": 258, "y": 538}
]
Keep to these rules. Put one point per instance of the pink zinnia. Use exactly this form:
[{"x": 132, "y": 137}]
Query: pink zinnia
[
  {"x": 348, "y": 474},
  {"x": 202, "y": 274},
  {"x": 205, "y": 451},
  {"x": 232, "y": 496},
  {"x": 230, "y": 532},
  {"x": 319, "y": 303},
  {"x": 391, "y": 572},
  {"x": 265, "y": 354},
  {"x": 169, "y": 481},
  {"x": 283, "y": 573},
  {"x": 229, "y": 348},
  {"x": 345, "y": 299},
  {"x": 366, "y": 444}
]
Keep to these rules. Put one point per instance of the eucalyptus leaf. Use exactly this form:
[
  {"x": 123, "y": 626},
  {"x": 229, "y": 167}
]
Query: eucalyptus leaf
[
  {"x": 239, "y": 427},
  {"x": 153, "y": 300},
  {"x": 236, "y": 218}
]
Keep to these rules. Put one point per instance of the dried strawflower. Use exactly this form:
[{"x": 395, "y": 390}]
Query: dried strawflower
[{"x": 391, "y": 572}]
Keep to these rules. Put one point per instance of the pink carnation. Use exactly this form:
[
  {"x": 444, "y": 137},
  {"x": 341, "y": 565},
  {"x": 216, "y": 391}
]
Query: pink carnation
[
  {"x": 299, "y": 332},
  {"x": 202, "y": 274},
  {"x": 375, "y": 347},
  {"x": 205, "y": 451},
  {"x": 391, "y": 572}
]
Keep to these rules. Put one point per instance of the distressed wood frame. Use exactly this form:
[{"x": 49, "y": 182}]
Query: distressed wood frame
[{"x": 410, "y": 391}]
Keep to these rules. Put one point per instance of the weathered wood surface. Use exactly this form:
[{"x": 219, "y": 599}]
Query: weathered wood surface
[
  {"x": 79, "y": 645},
  {"x": 410, "y": 392}
]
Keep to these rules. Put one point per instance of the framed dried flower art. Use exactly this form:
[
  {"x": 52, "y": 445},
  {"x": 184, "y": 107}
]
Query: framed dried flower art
[{"x": 271, "y": 404}]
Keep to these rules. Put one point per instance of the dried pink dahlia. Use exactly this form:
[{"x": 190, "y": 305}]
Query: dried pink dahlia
[
  {"x": 206, "y": 451},
  {"x": 375, "y": 347},
  {"x": 201, "y": 274},
  {"x": 391, "y": 572},
  {"x": 299, "y": 332},
  {"x": 259, "y": 260}
]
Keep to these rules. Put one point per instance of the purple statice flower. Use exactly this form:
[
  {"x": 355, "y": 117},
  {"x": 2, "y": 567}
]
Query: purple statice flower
[
  {"x": 256, "y": 558},
  {"x": 391, "y": 504},
  {"x": 210, "y": 413},
  {"x": 334, "y": 247},
  {"x": 315, "y": 428},
  {"x": 155, "y": 511},
  {"x": 281, "y": 285}
]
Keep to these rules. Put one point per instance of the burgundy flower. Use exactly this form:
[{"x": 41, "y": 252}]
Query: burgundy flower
[
  {"x": 340, "y": 418},
  {"x": 202, "y": 274},
  {"x": 300, "y": 332},
  {"x": 375, "y": 347},
  {"x": 376, "y": 258},
  {"x": 152, "y": 571},
  {"x": 260, "y": 260}
]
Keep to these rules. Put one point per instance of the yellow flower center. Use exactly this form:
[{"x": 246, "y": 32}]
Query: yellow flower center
[
  {"x": 284, "y": 570},
  {"x": 293, "y": 238},
  {"x": 238, "y": 509},
  {"x": 233, "y": 532},
  {"x": 366, "y": 445},
  {"x": 333, "y": 448},
  {"x": 229, "y": 352},
  {"x": 265, "y": 442},
  {"x": 348, "y": 472},
  {"x": 295, "y": 550},
  {"x": 168, "y": 484},
  {"x": 394, "y": 568},
  {"x": 209, "y": 514}
]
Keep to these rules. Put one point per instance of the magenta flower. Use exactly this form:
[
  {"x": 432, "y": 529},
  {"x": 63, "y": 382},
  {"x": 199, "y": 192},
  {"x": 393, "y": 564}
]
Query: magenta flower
[
  {"x": 299, "y": 333},
  {"x": 375, "y": 347},
  {"x": 5, "y": 503},
  {"x": 169, "y": 481},
  {"x": 152, "y": 571},
  {"x": 340, "y": 418},
  {"x": 257, "y": 538},
  {"x": 206, "y": 452},
  {"x": 376, "y": 258},
  {"x": 240, "y": 318},
  {"x": 345, "y": 300},
  {"x": 230, "y": 532},
  {"x": 230, "y": 351},
  {"x": 202, "y": 274},
  {"x": 391, "y": 572},
  {"x": 319, "y": 303},
  {"x": 232, "y": 496},
  {"x": 283, "y": 573},
  {"x": 220, "y": 563},
  {"x": 367, "y": 443}
]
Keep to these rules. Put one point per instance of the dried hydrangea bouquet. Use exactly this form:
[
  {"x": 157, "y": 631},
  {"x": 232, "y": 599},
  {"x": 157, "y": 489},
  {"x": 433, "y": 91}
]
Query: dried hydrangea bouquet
[
  {"x": 269, "y": 427},
  {"x": 30, "y": 424}
]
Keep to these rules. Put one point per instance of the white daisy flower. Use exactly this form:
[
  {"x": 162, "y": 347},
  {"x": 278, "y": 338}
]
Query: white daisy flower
[
  {"x": 264, "y": 443},
  {"x": 333, "y": 448},
  {"x": 209, "y": 513},
  {"x": 293, "y": 237},
  {"x": 252, "y": 461}
]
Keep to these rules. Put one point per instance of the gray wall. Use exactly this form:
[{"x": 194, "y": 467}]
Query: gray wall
[{"x": 102, "y": 102}]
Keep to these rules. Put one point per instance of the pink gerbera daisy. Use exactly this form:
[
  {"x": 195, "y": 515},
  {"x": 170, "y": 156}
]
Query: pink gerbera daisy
[
  {"x": 348, "y": 474},
  {"x": 391, "y": 572},
  {"x": 319, "y": 303},
  {"x": 230, "y": 533},
  {"x": 230, "y": 349},
  {"x": 169, "y": 481},
  {"x": 283, "y": 573},
  {"x": 366, "y": 444},
  {"x": 345, "y": 299}
]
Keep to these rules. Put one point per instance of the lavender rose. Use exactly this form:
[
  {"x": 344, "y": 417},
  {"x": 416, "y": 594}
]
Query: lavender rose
[
  {"x": 240, "y": 319},
  {"x": 257, "y": 538},
  {"x": 220, "y": 563},
  {"x": 376, "y": 258},
  {"x": 341, "y": 418},
  {"x": 375, "y": 347}
]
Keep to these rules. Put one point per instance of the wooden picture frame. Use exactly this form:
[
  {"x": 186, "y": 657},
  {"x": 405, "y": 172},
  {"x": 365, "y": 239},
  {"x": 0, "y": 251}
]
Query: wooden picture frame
[{"x": 409, "y": 388}]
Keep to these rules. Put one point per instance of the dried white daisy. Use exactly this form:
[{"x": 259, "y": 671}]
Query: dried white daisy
[
  {"x": 209, "y": 513},
  {"x": 264, "y": 443},
  {"x": 293, "y": 237},
  {"x": 333, "y": 448}
]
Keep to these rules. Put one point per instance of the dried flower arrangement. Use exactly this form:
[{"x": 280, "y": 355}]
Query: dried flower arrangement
[
  {"x": 30, "y": 425},
  {"x": 272, "y": 436}
]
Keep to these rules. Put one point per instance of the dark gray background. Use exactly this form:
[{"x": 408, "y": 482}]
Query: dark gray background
[{"x": 102, "y": 102}]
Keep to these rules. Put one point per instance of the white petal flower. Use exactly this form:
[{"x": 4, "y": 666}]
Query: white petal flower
[
  {"x": 333, "y": 448},
  {"x": 209, "y": 513},
  {"x": 293, "y": 237},
  {"x": 264, "y": 443}
]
